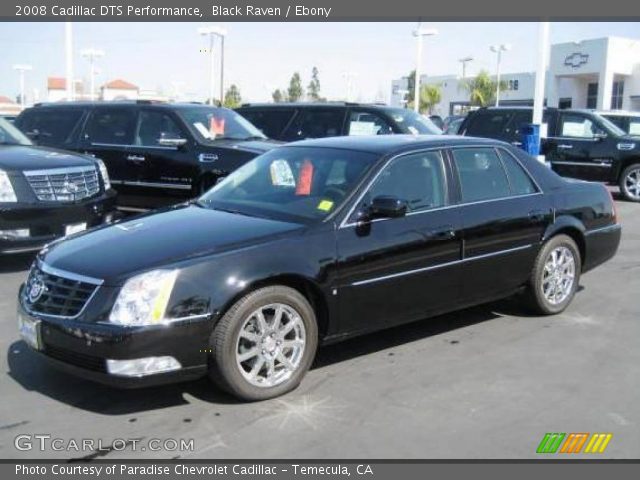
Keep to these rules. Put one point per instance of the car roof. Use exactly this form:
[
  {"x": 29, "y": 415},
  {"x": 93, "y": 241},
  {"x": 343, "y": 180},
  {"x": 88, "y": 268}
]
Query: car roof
[
  {"x": 618, "y": 113},
  {"x": 124, "y": 103},
  {"x": 314, "y": 105},
  {"x": 391, "y": 144}
]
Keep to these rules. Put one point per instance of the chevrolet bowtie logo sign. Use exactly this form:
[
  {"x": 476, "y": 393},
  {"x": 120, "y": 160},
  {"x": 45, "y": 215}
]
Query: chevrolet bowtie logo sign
[
  {"x": 576, "y": 60},
  {"x": 574, "y": 442}
]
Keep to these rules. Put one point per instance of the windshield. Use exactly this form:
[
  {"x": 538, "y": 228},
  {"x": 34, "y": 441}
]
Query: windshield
[
  {"x": 299, "y": 184},
  {"x": 410, "y": 122},
  {"x": 612, "y": 127},
  {"x": 210, "y": 123},
  {"x": 10, "y": 135}
]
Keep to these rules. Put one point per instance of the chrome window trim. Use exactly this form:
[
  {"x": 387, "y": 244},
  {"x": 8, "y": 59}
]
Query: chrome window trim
[
  {"x": 575, "y": 139},
  {"x": 440, "y": 149},
  {"x": 441, "y": 265},
  {"x": 133, "y": 145},
  {"x": 344, "y": 223}
]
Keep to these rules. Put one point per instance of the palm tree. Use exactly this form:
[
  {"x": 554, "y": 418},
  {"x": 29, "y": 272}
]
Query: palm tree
[
  {"x": 430, "y": 96},
  {"x": 482, "y": 89}
]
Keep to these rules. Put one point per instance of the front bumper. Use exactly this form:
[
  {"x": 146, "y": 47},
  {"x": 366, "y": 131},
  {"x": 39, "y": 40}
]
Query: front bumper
[
  {"x": 82, "y": 349},
  {"x": 47, "y": 221}
]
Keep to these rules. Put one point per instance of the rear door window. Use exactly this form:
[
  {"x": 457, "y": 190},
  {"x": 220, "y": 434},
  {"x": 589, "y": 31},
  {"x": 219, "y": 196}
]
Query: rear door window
[
  {"x": 271, "y": 122},
  {"x": 51, "y": 126},
  {"x": 482, "y": 176},
  {"x": 521, "y": 183},
  {"x": 111, "y": 126},
  {"x": 316, "y": 123},
  {"x": 154, "y": 126}
]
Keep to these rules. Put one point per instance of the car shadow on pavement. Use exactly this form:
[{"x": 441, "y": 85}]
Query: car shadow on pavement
[
  {"x": 16, "y": 263},
  {"x": 33, "y": 374}
]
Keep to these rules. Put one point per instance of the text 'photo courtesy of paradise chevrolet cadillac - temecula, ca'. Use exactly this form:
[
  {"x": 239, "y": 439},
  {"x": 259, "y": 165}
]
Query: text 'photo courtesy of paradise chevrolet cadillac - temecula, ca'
[{"x": 307, "y": 244}]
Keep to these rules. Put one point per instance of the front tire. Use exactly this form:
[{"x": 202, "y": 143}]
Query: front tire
[
  {"x": 555, "y": 276},
  {"x": 630, "y": 183},
  {"x": 264, "y": 344}
]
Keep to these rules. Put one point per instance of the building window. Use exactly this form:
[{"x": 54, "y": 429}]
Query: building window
[
  {"x": 592, "y": 95},
  {"x": 564, "y": 103},
  {"x": 616, "y": 97}
]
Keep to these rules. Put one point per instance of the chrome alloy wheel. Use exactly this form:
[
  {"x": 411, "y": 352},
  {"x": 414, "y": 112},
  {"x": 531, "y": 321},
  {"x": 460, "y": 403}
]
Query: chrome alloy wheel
[
  {"x": 632, "y": 184},
  {"x": 270, "y": 345},
  {"x": 558, "y": 275}
]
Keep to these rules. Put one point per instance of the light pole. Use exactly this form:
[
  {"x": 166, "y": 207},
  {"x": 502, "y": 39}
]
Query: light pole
[
  {"x": 464, "y": 62},
  {"x": 68, "y": 53},
  {"x": 419, "y": 33},
  {"x": 21, "y": 68},
  {"x": 498, "y": 49},
  {"x": 91, "y": 54},
  {"x": 212, "y": 32},
  {"x": 349, "y": 77}
]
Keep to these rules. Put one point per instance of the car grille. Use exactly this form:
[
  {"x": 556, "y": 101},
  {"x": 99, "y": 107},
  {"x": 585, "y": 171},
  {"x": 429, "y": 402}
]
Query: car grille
[
  {"x": 64, "y": 184},
  {"x": 82, "y": 360},
  {"x": 49, "y": 294}
]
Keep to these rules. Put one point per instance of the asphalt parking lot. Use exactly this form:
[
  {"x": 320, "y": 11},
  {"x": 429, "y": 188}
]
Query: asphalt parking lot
[{"x": 487, "y": 382}]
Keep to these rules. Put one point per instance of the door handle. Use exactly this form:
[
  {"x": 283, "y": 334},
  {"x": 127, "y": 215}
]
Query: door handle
[
  {"x": 516, "y": 143},
  {"x": 445, "y": 232},
  {"x": 136, "y": 158},
  {"x": 536, "y": 216},
  {"x": 564, "y": 146}
]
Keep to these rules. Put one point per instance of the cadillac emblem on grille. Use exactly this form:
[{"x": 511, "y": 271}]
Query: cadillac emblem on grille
[{"x": 35, "y": 288}]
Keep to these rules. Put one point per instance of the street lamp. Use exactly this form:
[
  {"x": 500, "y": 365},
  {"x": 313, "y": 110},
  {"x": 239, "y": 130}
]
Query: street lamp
[
  {"x": 212, "y": 32},
  {"x": 21, "y": 68},
  {"x": 498, "y": 49},
  {"x": 419, "y": 33},
  {"x": 92, "y": 54},
  {"x": 349, "y": 77},
  {"x": 464, "y": 62}
]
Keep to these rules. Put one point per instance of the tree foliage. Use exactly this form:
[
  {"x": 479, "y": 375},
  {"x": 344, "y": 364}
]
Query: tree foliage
[
  {"x": 313, "y": 89},
  {"x": 278, "y": 96},
  {"x": 482, "y": 89},
  {"x": 295, "y": 90},
  {"x": 232, "y": 98}
]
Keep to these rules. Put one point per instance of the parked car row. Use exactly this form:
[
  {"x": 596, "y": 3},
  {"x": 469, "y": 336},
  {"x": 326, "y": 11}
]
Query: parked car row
[{"x": 581, "y": 144}]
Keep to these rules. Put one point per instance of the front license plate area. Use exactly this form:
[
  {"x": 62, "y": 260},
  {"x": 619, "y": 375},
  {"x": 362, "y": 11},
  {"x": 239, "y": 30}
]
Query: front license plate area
[
  {"x": 29, "y": 330},
  {"x": 75, "y": 228}
]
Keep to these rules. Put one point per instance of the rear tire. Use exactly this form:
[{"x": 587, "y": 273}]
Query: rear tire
[
  {"x": 264, "y": 344},
  {"x": 630, "y": 183},
  {"x": 555, "y": 276}
]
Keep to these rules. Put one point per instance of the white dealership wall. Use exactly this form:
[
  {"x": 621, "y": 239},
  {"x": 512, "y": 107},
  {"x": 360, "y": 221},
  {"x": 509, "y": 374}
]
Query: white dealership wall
[{"x": 572, "y": 67}]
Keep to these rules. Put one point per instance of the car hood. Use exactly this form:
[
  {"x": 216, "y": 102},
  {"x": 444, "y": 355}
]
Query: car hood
[
  {"x": 113, "y": 253},
  {"x": 18, "y": 158}
]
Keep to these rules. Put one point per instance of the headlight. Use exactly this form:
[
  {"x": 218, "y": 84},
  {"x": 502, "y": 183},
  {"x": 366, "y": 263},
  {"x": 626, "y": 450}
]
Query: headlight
[
  {"x": 143, "y": 299},
  {"x": 7, "y": 194},
  {"x": 104, "y": 173}
]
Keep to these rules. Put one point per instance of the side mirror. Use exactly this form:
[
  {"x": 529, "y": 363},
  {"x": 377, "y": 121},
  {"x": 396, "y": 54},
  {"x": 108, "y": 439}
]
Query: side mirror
[
  {"x": 386, "y": 206},
  {"x": 172, "y": 142}
]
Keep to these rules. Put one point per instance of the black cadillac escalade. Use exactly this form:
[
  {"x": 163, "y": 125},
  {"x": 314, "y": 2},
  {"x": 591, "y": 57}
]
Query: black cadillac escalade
[
  {"x": 156, "y": 153},
  {"x": 47, "y": 193}
]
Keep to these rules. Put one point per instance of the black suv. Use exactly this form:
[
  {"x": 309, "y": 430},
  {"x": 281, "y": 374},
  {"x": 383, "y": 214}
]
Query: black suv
[
  {"x": 156, "y": 153},
  {"x": 627, "y": 121},
  {"x": 579, "y": 143},
  {"x": 47, "y": 193},
  {"x": 299, "y": 121}
]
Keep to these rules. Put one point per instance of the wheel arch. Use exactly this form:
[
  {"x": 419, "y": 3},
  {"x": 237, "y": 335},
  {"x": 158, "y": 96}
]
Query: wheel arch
[
  {"x": 627, "y": 162},
  {"x": 571, "y": 227},
  {"x": 303, "y": 285}
]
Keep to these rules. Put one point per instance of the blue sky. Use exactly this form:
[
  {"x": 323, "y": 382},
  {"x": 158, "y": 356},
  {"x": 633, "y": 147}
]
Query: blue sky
[{"x": 262, "y": 56}]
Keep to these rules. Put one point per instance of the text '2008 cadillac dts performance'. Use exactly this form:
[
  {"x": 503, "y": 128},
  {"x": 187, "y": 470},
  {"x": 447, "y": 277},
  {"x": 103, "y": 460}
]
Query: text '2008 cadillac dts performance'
[{"x": 312, "y": 243}]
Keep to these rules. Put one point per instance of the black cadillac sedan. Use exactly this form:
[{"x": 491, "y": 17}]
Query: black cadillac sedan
[
  {"x": 47, "y": 193},
  {"x": 312, "y": 243}
]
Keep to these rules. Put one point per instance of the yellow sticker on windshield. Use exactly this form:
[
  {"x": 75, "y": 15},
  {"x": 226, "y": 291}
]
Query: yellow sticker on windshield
[{"x": 325, "y": 205}]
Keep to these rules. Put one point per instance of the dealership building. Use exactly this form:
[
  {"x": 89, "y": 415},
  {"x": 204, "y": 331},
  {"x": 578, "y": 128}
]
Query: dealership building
[{"x": 602, "y": 73}]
